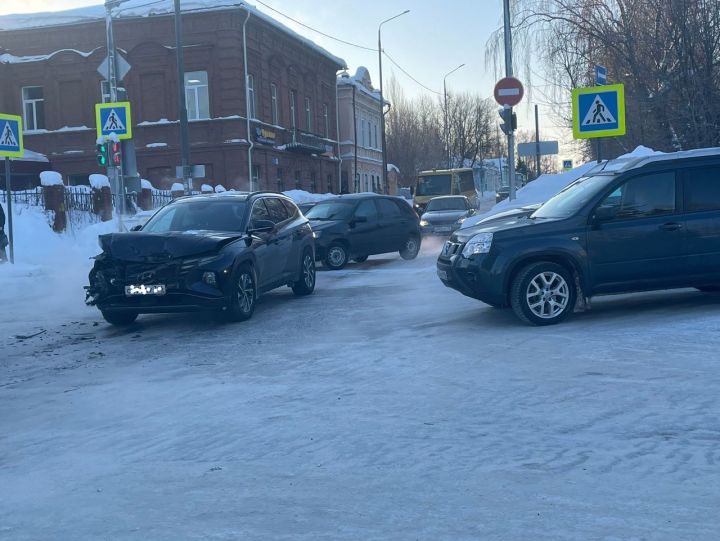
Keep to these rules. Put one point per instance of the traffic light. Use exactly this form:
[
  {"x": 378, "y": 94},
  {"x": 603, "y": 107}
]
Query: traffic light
[
  {"x": 115, "y": 153},
  {"x": 102, "y": 154},
  {"x": 509, "y": 120}
]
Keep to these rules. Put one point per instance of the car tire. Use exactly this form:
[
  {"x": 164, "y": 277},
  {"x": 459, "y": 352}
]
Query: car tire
[
  {"x": 120, "y": 319},
  {"x": 411, "y": 248},
  {"x": 360, "y": 259},
  {"x": 543, "y": 293},
  {"x": 306, "y": 284},
  {"x": 336, "y": 256},
  {"x": 244, "y": 295}
]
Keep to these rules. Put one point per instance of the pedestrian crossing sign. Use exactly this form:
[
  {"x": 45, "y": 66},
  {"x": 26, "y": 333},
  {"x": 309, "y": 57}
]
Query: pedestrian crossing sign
[
  {"x": 11, "y": 136},
  {"x": 598, "y": 111},
  {"x": 113, "y": 118}
]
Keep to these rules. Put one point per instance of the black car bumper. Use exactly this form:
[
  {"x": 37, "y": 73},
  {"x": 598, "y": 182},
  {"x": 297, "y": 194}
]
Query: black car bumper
[
  {"x": 173, "y": 301},
  {"x": 472, "y": 277},
  {"x": 440, "y": 230}
]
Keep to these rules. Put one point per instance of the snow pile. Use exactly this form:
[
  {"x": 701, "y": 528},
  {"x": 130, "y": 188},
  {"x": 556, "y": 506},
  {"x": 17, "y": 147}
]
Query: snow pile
[
  {"x": 156, "y": 145},
  {"x": 177, "y": 187},
  {"x": 206, "y": 188},
  {"x": 146, "y": 184},
  {"x": 301, "y": 196},
  {"x": 51, "y": 178},
  {"x": 220, "y": 188},
  {"x": 98, "y": 182}
]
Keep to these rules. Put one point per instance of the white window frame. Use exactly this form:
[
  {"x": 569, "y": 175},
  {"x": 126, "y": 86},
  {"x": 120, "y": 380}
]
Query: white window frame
[
  {"x": 30, "y": 127},
  {"x": 274, "y": 111},
  {"x": 293, "y": 99},
  {"x": 252, "y": 110},
  {"x": 308, "y": 115},
  {"x": 326, "y": 118},
  {"x": 195, "y": 95}
]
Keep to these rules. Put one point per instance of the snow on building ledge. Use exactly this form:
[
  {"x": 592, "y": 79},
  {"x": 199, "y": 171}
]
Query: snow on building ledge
[
  {"x": 30, "y": 156},
  {"x": 98, "y": 182},
  {"x": 393, "y": 167},
  {"x": 51, "y": 178}
]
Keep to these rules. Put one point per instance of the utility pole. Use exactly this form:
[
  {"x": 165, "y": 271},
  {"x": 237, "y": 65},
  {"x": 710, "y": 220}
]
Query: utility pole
[
  {"x": 509, "y": 73},
  {"x": 537, "y": 141},
  {"x": 184, "y": 144},
  {"x": 447, "y": 131}
]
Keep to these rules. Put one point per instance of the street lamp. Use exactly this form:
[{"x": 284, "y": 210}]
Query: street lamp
[
  {"x": 447, "y": 133},
  {"x": 382, "y": 100}
]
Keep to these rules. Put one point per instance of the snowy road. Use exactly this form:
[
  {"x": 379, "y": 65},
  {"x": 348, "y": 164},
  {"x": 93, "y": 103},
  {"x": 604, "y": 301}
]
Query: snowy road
[{"x": 385, "y": 406}]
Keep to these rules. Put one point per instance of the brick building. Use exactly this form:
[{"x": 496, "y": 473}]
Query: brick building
[{"x": 48, "y": 74}]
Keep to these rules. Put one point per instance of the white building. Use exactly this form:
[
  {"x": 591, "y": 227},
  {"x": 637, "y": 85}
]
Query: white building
[{"x": 360, "y": 133}]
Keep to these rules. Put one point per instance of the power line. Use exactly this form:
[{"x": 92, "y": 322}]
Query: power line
[{"x": 398, "y": 66}]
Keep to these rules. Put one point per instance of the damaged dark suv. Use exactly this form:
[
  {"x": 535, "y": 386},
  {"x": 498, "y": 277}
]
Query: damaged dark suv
[{"x": 210, "y": 252}]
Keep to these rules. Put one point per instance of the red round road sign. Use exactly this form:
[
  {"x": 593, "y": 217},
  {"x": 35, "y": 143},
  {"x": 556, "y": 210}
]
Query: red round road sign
[{"x": 509, "y": 91}]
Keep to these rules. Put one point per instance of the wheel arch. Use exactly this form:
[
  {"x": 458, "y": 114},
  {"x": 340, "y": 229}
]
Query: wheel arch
[{"x": 565, "y": 260}]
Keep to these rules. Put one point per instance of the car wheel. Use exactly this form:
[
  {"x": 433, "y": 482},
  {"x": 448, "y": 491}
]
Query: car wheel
[
  {"x": 306, "y": 284},
  {"x": 336, "y": 257},
  {"x": 120, "y": 319},
  {"x": 244, "y": 295},
  {"x": 708, "y": 289},
  {"x": 360, "y": 259},
  {"x": 411, "y": 248},
  {"x": 543, "y": 293}
]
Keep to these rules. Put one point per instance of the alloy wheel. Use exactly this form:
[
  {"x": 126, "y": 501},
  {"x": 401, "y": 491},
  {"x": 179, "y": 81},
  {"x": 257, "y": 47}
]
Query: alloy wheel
[
  {"x": 246, "y": 292},
  {"x": 308, "y": 271},
  {"x": 547, "y": 295}
]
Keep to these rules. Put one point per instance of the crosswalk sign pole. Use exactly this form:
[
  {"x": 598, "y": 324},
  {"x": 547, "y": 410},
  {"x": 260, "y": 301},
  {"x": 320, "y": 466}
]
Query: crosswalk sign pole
[{"x": 9, "y": 209}]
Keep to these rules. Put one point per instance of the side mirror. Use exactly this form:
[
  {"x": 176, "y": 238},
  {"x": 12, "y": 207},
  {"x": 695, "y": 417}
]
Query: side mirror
[
  {"x": 360, "y": 219},
  {"x": 136, "y": 227},
  {"x": 261, "y": 226},
  {"x": 604, "y": 214}
]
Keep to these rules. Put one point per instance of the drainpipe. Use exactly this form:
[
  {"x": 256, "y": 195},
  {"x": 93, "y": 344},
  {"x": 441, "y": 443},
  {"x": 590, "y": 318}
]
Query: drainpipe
[
  {"x": 355, "y": 173},
  {"x": 247, "y": 103},
  {"x": 337, "y": 136}
]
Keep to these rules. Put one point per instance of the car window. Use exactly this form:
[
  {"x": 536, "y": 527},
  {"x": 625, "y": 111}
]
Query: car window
[
  {"x": 259, "y": 212},
  {"x": 643, "y": 196},
  {"x": 388, "y": 209},
  {"x": 450, "y": 203},
  {"x": 467, "y": 182},
  {"x": 702, "y": 189},
  {"x": 199, "y": 214},
  {"x": 367, "y": 209},
  {"x": 291, "y": 208},
  {"x": 276, "y": 210}
]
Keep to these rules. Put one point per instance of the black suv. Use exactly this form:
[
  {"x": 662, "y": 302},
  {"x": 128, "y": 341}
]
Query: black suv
[
  {"x": 635, "y": 224},
  {"x": 205, "y": 252},
  {"x": 356, "y": 226}
]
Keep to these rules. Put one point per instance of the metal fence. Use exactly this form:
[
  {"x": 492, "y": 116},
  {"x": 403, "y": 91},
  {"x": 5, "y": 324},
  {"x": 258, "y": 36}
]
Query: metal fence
[{"x": 81, "y": 199}]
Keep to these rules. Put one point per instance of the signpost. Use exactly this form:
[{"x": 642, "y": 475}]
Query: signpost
[
  {"x": 113, "y": 123},
  {"x": 567, "y": 165},
  {"x": 600, "y": 75},
  {"x": 11, "y": 146},
  {"x": 508, "y": 93},
  {"x": 543, "y": 148},
  {"x": 598, "y": 111}
]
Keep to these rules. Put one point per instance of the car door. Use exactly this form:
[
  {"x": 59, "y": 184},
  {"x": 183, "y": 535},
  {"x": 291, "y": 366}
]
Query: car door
[
  {"x": 287, "y": 255},
  {"x": 635, "y": 238},
  {"x": 701, "y": 203},
  {"x": 267, "y": 260},
  {"x": 393, "y": 225},
  {"x": 364, "y": 234}
]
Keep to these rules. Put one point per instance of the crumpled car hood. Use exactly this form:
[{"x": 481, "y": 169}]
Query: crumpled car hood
[{"x": 139, "y": 247}]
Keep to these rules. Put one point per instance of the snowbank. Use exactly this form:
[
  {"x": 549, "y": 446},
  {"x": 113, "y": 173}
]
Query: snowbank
[
  {"x": 146, "y": 184},
  {"x": 51, "y": 178},
  {"x": 98, "y": 182},
  {"x": 301, "y": 196},
  {"x": 177, "y": 187},
  {"x": 206, "y": 188},
  {"x": 220, "y": 188}
]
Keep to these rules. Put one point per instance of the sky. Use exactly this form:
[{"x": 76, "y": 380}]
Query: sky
[{"x": 428, "y": 42}]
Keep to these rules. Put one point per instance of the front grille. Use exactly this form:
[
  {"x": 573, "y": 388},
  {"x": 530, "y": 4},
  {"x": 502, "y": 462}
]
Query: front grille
[{"x": 451, "y": 248}]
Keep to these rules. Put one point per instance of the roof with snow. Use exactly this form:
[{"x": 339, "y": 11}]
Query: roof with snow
[
  {"x": 143, "y": 8},
  {"x": 642, "y": 156},
  {"x": 361, "y": 80},
  {"x": 30, "y": 156}
]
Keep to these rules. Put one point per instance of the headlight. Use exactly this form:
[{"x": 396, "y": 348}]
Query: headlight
[
  {"x": 461, "y": 220},
  {"x": 316, "y": 234},
  {"x": 479, "y": 244},
  {"x": 424, "y": 223}
]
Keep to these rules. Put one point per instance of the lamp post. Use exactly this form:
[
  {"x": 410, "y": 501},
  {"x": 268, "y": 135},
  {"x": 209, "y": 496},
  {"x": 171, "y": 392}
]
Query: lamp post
[
  {"x": 447, "y": 132},
  {"x": 382, "y": 100}
]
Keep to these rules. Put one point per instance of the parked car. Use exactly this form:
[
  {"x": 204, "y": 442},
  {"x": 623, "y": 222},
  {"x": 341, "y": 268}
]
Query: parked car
[
  {"x": 443, "y": 214},
  {"x": 356, "y": 226},
  {"x": 502, "y": 193},
  {"x": 205, "y": 252},
  {"x": 637, "y": 224},
  {"x": 304, "y": 207},
  {"x": 526, "y": 210}
]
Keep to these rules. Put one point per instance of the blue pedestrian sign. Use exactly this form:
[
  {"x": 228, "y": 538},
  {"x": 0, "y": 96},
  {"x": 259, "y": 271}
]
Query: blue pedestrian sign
[
  {"x": 11, "y": 136},
  {"x": 113, "y": 118},
  {"x": 600, "y": 75},
  {"x": 598, "y": 111}
]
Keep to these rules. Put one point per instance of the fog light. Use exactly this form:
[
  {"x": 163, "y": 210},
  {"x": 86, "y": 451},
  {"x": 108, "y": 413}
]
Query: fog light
[{"x": 209, "y": 278}]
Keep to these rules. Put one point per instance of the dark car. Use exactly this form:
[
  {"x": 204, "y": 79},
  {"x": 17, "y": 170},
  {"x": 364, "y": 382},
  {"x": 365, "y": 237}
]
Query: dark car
[
  {"x": 356, "y": 226},
  {"x": 205, "y": 252},
  {"x": 443, "y": 214},
  {"x": 304, "y": 207},
  {"x": 502, "y": 193},
  {"x": 526, "y": 210},
  {"x": 631, "y": 225}
]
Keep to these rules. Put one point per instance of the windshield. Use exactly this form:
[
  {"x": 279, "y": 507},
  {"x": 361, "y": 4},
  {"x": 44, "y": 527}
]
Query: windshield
[
  {"x": 434, "y": 185},
  {"x": 330, "y": 210},
  {"x": 201, "y": 214},
  {"x": 572, "y": 198},
  {"x": 451, "y": 203}
]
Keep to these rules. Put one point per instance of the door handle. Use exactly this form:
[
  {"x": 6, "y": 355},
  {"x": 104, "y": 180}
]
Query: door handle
[{"x": 671, "y": 226}]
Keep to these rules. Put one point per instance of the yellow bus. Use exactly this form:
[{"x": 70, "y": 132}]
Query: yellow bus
[{"x": 439, "y": 182}]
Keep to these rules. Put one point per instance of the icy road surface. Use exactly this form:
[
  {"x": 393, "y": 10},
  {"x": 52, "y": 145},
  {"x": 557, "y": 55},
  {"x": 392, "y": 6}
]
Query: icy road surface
[{"x": 385, "y": 406}]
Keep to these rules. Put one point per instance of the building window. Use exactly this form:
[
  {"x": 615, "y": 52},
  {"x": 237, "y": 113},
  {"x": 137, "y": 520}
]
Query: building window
[
  {"x": 274, "y": 104},
  {"x": 280, "y": 181},
  {"x": 292, "y": 108},
  {"x": 197, "y": 96},
  {"x": 308, "y": 116},
  {"x": 313, "y": 186},
  {"x": 367, "y": 185},
  {"x": 33, "y": 108},
  {"x": 256, "y": 177},
  {"x": 362, "y": 133},
  {"x": 298, "y": 182},
  {"x": 251, "y": 96},
  {"x": 376, "y": 137},
  {"x": 326, "y": 119},
  {"x": 369, "y": 134},
  {"x": 329, "y": 184}
]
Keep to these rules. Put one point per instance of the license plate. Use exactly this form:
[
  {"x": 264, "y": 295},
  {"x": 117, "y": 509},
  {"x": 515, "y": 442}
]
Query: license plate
[
  {"x": 443, "y": 229},
  {"x": 442, "y": 274},
  {"x": 144, "y": 289}
]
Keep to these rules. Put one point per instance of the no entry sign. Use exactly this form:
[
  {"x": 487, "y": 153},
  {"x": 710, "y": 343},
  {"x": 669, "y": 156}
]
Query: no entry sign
[{"x": 508, "y": 91}]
